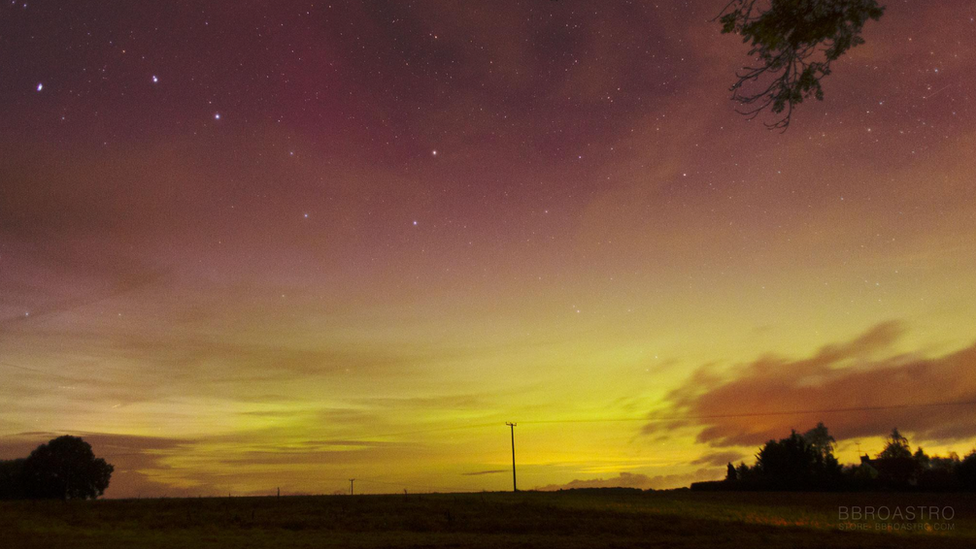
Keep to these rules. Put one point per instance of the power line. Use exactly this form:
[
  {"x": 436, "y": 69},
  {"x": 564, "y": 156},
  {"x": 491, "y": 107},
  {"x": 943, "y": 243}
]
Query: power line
[
  {"x": 417, "y": 487},
  {"x": 612, "y": 419},
  {"x": 647, "y": 419},
  {"x": 73, "y": 377},
  {"x": 35, "y": 370},
  {"x": 413, "y": 486},
  {"x": 138, "y": 282},
  {"x": 754, "y": 414},
  {"x": 630, "y": 418},
  {"x": 431, "y": 430},
  {"x": 601, "y": 420}
]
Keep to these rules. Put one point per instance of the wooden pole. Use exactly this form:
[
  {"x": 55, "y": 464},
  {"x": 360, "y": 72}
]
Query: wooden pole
[{"x": 512, "y": 426}]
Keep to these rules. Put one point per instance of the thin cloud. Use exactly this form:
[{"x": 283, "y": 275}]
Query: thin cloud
[
  {"x": 718, "y": 458},
  {"x": 491, "y": 472},
  {"x": 132, "y": 456},
  {"x": 636, "y": 480}
]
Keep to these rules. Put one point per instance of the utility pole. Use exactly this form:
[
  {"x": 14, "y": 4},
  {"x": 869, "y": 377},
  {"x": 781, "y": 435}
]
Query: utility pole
[
  {"x": 512, "y": 426},
  {"x": 351, "y": 481}
]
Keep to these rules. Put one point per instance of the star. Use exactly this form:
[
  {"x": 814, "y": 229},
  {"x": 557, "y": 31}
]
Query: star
[
  {"x": 155, "y": 80},
  {"x": 40, "y": 86},
  {"x": 217, "y": 116},
  {"x": 415, "y": 222},
  {"x": 433, "y": 152}
]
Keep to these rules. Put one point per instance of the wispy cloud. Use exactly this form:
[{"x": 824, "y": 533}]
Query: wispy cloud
[
  {"x": 718, "y": 458},
  {"x": 491, "y": 472},
  {"x": 636, "y": 480},
  {"x": 861, "y": 387}
]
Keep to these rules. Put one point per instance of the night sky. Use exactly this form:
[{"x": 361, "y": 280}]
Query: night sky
[{"x": 248, "y": 245}]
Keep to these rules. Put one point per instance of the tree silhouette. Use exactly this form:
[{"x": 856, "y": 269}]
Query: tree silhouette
[
  {"x": 966, "y": 472},
  {"x": 793, "y": 463},
  {"x": 806, "y": 462},
  {"x": 11, "y": 486},
  {"x": 788, "y": 463},
  {"x": 896, "y": 446},
  {"x": 64, "y": 468},
  {"x": 795, "y": 42},
  {"x": 923, "y": 459},
  {"x": 821, "y": 440}
]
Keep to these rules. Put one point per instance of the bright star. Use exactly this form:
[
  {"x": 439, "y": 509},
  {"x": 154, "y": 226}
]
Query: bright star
[
  {"x": 155, "y": 80},
  {"x": 434, "y": 152},
  {"x": 414, "y": 222},
  {"x": 217, "y": 116},
  {"x": 40, "y": 86}
]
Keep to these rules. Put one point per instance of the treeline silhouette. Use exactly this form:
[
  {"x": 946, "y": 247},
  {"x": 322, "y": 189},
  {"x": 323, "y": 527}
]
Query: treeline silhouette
[
  {"x": 63, "y": 468},
  {"x": 806, "y": 462}
]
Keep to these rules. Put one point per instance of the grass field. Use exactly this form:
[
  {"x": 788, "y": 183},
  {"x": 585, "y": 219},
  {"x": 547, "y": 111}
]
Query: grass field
[{"x": 526, "y": 519}]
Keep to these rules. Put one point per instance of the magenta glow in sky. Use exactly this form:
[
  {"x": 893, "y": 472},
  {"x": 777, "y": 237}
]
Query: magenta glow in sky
[{"x": 247, "y": 245}]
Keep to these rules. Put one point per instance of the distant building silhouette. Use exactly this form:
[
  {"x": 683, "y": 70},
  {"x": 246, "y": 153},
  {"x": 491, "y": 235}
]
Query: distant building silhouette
[{"x": 896, "y": 472}]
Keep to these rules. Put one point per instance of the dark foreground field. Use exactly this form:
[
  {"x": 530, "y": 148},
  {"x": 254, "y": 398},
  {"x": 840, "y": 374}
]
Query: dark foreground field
[{"x": 526, "y": 519}]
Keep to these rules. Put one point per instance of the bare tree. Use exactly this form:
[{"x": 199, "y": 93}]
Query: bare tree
[{"x": 794, "y": 42}]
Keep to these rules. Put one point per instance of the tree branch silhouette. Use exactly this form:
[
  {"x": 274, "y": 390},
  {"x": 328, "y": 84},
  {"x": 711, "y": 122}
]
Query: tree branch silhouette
[{"x": 794, "y": 42}]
